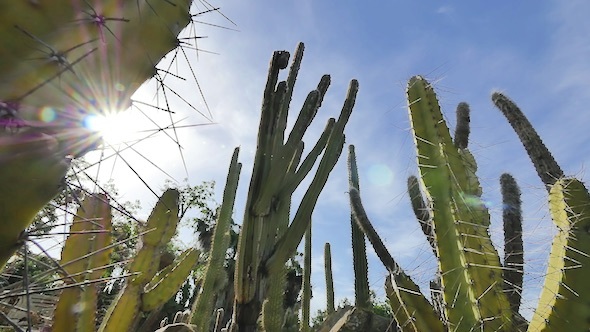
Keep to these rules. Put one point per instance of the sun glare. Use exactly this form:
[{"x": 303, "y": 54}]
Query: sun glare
[{"x": 114, "y": 128}]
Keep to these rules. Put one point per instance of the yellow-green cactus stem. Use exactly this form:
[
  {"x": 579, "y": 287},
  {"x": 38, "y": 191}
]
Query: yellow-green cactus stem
[
  {"x": 166, "y": 282},
  {"x": 564, "y": 298},
  {"x": 470, "y": 266},
  {"x": 84, "y": 256}
]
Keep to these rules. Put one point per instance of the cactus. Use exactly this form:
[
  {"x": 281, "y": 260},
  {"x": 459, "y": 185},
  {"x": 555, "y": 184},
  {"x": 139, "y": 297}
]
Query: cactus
[
  {"x": 359, "y": 251},
  {"x": 329, "y": 279},
  {"x": 465, "y": 253},
  {"x": 513, "y": 248},
  {"x": 147, "y": 289},
  {"x": 547, "y": 168},
  {"x": 564, "y": 296},
  {"x": 412, "y": 310},
  {"x": 470, "y": 280},
  {"x": 84, "y": 255},
  {"x": 221, "y": 236},
  {"x": 62, "y": 62},
  {"x": 306, "y": 294},
  {"x": 267, "y": 239}
]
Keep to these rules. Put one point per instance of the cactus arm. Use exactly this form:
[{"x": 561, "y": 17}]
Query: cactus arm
[
  {"x": 206, "y": 298},
  {"x": 407, "y": 301},
  {"x": 462, "y": 128},
  {"x": 329, "y": 279},
  {"x": 421, "y": 211},
  {"x": 565, "y": 294},
  {"x": 166, "y": 282},
  {"x": 546, "y": 166},
  {"x": 292, "y": 181},
  {"x": 471, "y": 280},
  {"x": 306, "y": 293},
  {"x": 513, "y": 248},
  {"x": 359, "y": 252},
  {"x": 161, "y": 226},
  {"x": 247, "y": 261},
  {"x": 436, "y": 178},
  {"x": 121, "y": 314},
  {"x": 288, "y": 243},
  {"x": 90, "y": 234}
]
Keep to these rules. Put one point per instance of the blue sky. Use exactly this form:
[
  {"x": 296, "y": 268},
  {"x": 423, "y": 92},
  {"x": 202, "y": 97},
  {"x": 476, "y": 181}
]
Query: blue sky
[{"x": 535, "y": 52}]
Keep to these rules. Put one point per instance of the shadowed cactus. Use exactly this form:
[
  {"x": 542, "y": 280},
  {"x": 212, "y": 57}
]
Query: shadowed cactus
[
  {"x": 212, "y": 281},
  {"x": 329, "y": 279},
  {"x": 359, "y": 252},
  {"x": 84, "y": 258},
  {"x": 268, "y": 238},
  {"x": 513, "y": 248},
  {"x": 61, "y": 64}
]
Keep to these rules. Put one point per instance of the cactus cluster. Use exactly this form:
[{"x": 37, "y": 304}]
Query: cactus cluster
[{"x": 473, "y": 290}]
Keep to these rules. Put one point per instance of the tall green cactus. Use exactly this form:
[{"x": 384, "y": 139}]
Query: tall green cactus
[
  {"x": 306, "y": 289},
  {"x": 329, "y": 279},
  {"x": 470, "y": 266},
  {"x": 60, "y": 62},
  {"x": 362, "y": 294},
  {"x": 513, "y": 247},
  {"x": 203, "y": 307},
  {"x": 267, "y": 239}
]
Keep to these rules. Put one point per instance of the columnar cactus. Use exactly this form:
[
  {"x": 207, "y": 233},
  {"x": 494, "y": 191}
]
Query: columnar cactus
[
  {"x": 329, "y": 279},
  {"x": 203, "y": 307},
  {"x": 267, "y": 239},
  {"x": 359, "y": 252}
]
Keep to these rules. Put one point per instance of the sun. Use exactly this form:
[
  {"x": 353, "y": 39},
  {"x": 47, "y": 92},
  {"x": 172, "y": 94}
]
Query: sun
[{"x": 115, "y": 127}]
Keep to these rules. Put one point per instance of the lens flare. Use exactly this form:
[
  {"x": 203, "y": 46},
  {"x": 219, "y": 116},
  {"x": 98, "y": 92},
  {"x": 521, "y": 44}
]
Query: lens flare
[{"x": 113, "y": 128}]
